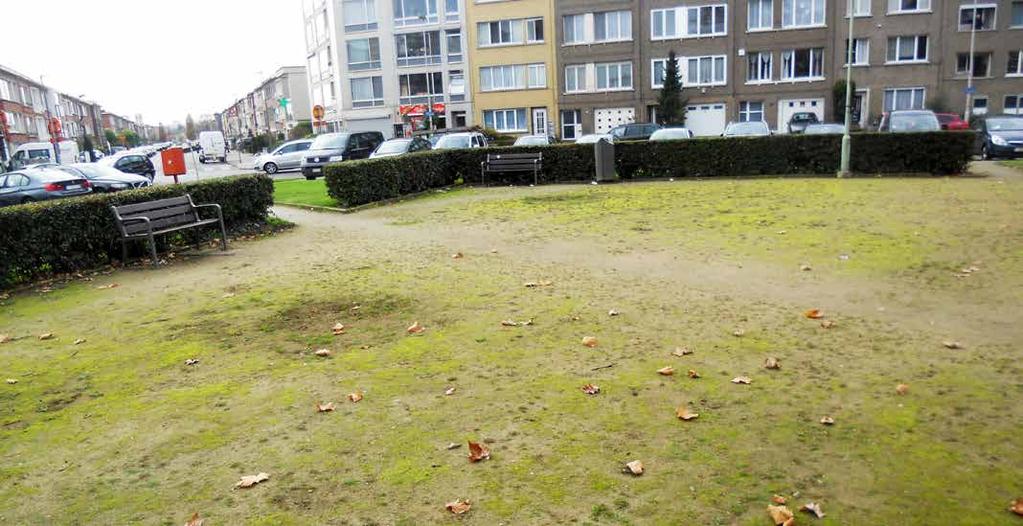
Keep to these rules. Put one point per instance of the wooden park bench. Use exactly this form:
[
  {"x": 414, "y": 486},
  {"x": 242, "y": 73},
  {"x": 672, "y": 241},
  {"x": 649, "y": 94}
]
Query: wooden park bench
[
  {"x": 149, "y": 219},
  {"x": 512, "y": 162}
]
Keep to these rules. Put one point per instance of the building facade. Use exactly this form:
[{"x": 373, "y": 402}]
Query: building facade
[
  {"x": 276, "y": 106},
  {"x": 23, "y": 111}
]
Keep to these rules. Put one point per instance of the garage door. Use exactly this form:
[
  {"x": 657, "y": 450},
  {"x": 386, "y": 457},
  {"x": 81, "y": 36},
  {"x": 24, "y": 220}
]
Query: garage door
[
  {"x": 706, "y": 119},
  {"x": 787, "y": 108},
  {"x": 606, "y": 119}
]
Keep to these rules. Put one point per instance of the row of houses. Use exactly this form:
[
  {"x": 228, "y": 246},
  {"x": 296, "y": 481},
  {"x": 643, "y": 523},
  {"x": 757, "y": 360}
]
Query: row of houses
[
  {"x": 572, "y": 67},
  {"x": 28, "y": 109},
  {"x": 275, "y": 107}
]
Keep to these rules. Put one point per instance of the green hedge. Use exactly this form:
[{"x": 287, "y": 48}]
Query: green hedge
[
  {"x": 939, "y": 153},
  {"x": 74, "y": 234}
]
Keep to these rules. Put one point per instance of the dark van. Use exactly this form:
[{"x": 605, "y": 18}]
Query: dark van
[{"x": 337, "y": 147}]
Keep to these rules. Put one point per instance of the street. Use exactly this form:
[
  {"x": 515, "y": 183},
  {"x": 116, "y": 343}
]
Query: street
[{"x": 238, "y": 163}]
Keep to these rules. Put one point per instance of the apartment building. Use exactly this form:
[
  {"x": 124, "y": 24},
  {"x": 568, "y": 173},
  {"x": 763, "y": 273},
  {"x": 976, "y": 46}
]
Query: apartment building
[
  {"x": 394, "y": 66},
  {"x": 276, "y": 106},
  {"x": 512, "y": 51},
  {"x": 23, "y": 111}
]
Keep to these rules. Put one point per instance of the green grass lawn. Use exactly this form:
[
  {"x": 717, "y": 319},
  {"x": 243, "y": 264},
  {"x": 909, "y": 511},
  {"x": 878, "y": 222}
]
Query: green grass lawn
[
  {"x": 1015, "y": 163},
  {"x": 119, "y": 430},
  {"x": 303, "y": 192}
]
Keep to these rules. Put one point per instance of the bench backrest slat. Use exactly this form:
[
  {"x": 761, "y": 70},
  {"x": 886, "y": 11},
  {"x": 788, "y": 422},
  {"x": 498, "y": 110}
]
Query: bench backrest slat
[
  {"x": 139, "y": 209},
  {"x": 500, "y": 156},
  {"x": 164, "y": 222}
]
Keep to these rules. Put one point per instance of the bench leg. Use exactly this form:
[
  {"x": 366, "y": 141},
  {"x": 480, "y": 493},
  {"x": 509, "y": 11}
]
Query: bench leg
[
  {"x": 152, "y": 250},
  {"x": 223, "y": 236},
  {"x": 124, "y": 252},
  {"x": 196, "y": 238}
]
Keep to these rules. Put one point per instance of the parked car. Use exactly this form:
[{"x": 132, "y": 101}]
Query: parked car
[
  {"x": 634, "y": 132},
  {"x": 825, "y": 129},
  {"x": 287, "y": 156},
  {"x": 337, "y": 147},
  {"x": 534, "y": 140},
  {"x": 454, "y": 141},
  {"x": 592, "y": 138},
  {"x": 909, "y": 121},
  {"x": 395, "y": 147},
  {"x": 747, "y": 129},
  {"x": 800, "y": 120},
  {"x": 212, "y": 146},
  {"x": 951, "y": 121},
  {"x": 999, "y": 136},
  {"x": 105, "y": 178},
  {"x": 671, "y": 134},
  {"x": 40, "y": 184},
  {"x": 131, "y": 163}
]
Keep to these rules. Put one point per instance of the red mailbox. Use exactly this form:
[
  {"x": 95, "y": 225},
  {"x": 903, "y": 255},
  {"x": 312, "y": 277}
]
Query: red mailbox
[{"x": 173, "y": 162}]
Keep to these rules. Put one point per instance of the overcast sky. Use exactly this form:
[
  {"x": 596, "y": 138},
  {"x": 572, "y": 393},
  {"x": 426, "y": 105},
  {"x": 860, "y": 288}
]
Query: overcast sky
[{"x": 162, "y": 60}]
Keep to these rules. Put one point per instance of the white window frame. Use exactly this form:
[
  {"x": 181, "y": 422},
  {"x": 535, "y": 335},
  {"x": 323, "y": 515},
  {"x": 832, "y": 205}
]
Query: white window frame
[
  {"x": 367, "y": 25},
  {"x": 578, "y": 24},
  {"x": 622, "y": 23},
  {"x": 536, "y": 76},
  {"x": 916, "y": 48},
  {"x": 511, "y": 77},
  {"x": 435, "y": 56},
  {"x": 530, "y": 28},
  {"x": 654, "y": 84},
  {"x": 618, "y": 68},
  {"x": 520, "y": 127},
  {"x": 745, "y": 111},
  {"x": 975, "y": 7},
  {"x": 895, "y": 7},
  {"x": 578, "y": 74},
  {"x": 714, "y": 10},
  {"x": 861, "y": 8},
  {"x": 895, "y": 92},
  {"x": 760, "y": 63},
  {"x": 367, "y": 103},
  {"x": 673, "y": 14},
  {"x": 966, "y": 72},
  {"x": 1019, "y": 63},
  {"x": 576, "y": 125},
  {"x": 449, "y": 36},
  {"x": 1012, "y": 7},
  {"x": 788, "y": 73},
  {"x": 980, "y": 111},
  {"x": 818, "y": 10},
  {"x": 687, "y": 70},
  {"x": 1018, "y": 110},
  {"x": 365, "y": 65},
  {"x": 516, "y": 31},
  {"x": 405, "y": 21},
  {"x": 765, "y": 20},
  {"x": 861, "y": 57}
]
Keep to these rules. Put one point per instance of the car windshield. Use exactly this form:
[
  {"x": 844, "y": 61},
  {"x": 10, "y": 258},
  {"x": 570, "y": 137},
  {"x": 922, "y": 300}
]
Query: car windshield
[
  {"x": 453, "y": 141},
  {"x": 532, "y": 140},
  {"x": 809, "y": 117},
  {"x": 747, "y": 128},
  {"x": 914, "y": 122},
  {"x": 394, "y": 146},
  {"x": 1008, "y": 124},
  {"x": 97, "y": 171},
  {"x": 330, "y": 141}
]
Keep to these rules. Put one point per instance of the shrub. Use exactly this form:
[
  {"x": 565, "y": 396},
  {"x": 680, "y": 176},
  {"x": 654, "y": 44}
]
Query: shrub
[
  {"x": 74, "y": 234},
  {"x": 354, "y": 183}
]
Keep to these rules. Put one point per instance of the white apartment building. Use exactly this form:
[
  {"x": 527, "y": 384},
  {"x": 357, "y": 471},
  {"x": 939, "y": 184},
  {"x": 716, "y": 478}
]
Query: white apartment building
[
  {"x": 261, "y": 110},
  {"x": 388, "y": 65}
]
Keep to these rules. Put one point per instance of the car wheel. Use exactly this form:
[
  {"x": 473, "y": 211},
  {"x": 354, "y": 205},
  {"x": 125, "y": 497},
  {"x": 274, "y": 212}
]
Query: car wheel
[
  {"x": 270, "y": 168},
  {"x": 223, "y": 159},
  {"x": 27, "y": 200},
  {"x": 310, "y": 177},
  {"x": 984, "y": 154}
]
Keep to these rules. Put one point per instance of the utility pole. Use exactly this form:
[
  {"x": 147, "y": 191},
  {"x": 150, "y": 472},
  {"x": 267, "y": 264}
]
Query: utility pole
[
  {"x": 968, "y": 112},
  {"x": 846, "y": 138}
]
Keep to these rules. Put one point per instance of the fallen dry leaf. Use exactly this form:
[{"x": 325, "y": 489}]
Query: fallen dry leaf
[
  {"x": 110, "y": 286},
  {"x": 814, "y": 314},
  {"x": 805, "y": 268},
  {"x": 192, "y": 361},
  {"x": 1016, "y": 506},
  {"x": 666, "y": 371},
  {"x": 738, "y": 333},
  {"x": 510, "y": 323},
  {"x": 323, "y": 352},
  {"x": 901, "y": 389},
  {"x": 693, "y": 374},
  {"x": 46, "y": 336},
  {"x": 338, "y": 329},
  {"x": 742, "y": 380},
  {"x": 681, "y": 351},
  {"x": 449, "y": 391},
  {"x": 195, "y": 520},
  {"x": 228, "y": 295},
  {"x": 613, "y": 312},
  {"x": 778, "y": 499},
  {"x": 635, "y": 467},
  {"x": 458, "y": 507},
  {"x": 591, "y": 389},
  {"x": 325, "y": 408},
  {"x": 684, "y": 413},
  {"x": 537, "y": 284},
  {"x": 12, "y": 381},
  {"x": 355, "y": 397},
  {"x": 416, "y": 328},
  {"x": 827, "y": 324},
  {"x": 478, "y": 452},
  {"x": 453, "y": 445},
  {"x": 781, "y": 515},
  {"x": 827, "y": 420},
  {"x": 814, "y": 508},
  {"x": 251, "y": 480},
  {"x": 772, "y": 363},
  {"x": 546, "y": 283},
  {"x": 590, "y": 341},
  {"x": 952, "y": 345},
  {"x": 4, "y": 338},
  {"x": 79, "y": 341},
  {"x": 457, "y": 255}
]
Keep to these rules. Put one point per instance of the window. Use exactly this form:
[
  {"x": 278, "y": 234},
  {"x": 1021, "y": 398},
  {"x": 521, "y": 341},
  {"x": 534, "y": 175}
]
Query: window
[
  {"x": 513, "y": 77},
  {"x": 536, "y": 76},
  {"x": 981, "y": 17},
  {"x": 861, "y": 8},
  {"x": 707, "y": 20},
  {"x": 359, "y": 15},
  {"x": 5, "y": 91},
  {"x": 414, "y": 12},
  {"x": 860, "y": 50},
  {"x": 501, "y": 32},
  {"x": 454, "y": 40},
  {"x": 664, "y": 24},
  {"x": 1017, "y": 14},
  {"x": 575, "y": 79},
  {"x": 367, "y": 92},
  {"x": 1014, "y": 66},
  {"x": 612, "y": 26},
  {"x": 760, "y": 15},
  {"x": 908, "y": 6},
  {"x": 451, "y": 10},
  {"x": 750, "y": 111},
  {"x": 614, "y": 76},
  {"x": 980, "y": 105},
  {"x": 575, "y": 29},
  {"x": 534, "y": 30},
  {"x": 981, "y": 64},
  {"x": 421, "y": 88},
  {"x": 512, "y": 120},
  {"x": 1014, "y": 104},
  {"x": 456, "y": 86},
  {"x": 904, "y": 99},
  {"x": 802, "y": 64},
  {"x": 571, "y": 125},
  {"x": 907, "y": 49},
  {"x": 802, "y": 13},
  {"x": 659, "y": 67},
  {"x": 418, "y": 49},
  {"x": 705, "y": 71},
  {"x": 759, "y": 66},
  {"x": 364, "y": 54}
]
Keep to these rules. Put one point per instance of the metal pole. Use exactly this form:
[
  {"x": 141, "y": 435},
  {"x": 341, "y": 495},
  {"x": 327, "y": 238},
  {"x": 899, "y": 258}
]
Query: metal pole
[
  {"x": 967, "y": 113},
  {"x": 846, "y": 138}
]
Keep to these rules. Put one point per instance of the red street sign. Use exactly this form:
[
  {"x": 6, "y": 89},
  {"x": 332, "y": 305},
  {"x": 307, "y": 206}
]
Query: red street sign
[{"x": 318, "y": 112}]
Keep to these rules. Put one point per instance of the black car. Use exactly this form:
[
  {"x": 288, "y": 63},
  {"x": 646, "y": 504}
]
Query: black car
[
  {"x": 131, "y": 164},
  {"x": 40, "y": 184},
  {"x": 337, "y": 147},
  {"x": 999, "y": 136},
  {"x": 106, "y": 178},
  {"x": 800, "y": 120},
  {"x": 634, "y": 132}
]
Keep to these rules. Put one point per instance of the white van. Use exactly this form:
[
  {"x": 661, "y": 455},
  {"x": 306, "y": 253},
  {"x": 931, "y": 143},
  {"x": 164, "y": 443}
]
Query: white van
[
  {"x": 212, "y": 147},
  {"x": 42, "y": 152}
]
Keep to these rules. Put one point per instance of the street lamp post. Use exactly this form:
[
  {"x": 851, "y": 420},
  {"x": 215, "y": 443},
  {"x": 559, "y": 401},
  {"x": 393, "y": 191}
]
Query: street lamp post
[
  {"x": 968, "y": 111},
  {"x": 846, "y": 138}
]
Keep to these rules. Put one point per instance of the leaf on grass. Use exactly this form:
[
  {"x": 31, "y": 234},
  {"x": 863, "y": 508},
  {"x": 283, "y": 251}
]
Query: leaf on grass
[
  {"x": 772, "y": 363},
  {"x": 952, "y": 345},
  {"x": 814, "y": 314},
  {"x": 613, "y": 312},
  {"x": 251, "y": 480},
  {"x": 453, "y": 445},
  {"x": 449, "y": 391},
  {"x": 827, "y": 324},
  {"x": 325, "y": 408},
  {"x": 457, "y": 255},
  {"x": 693, "y": 374},
  {"x": 814, "y": 508},
  {"x": 110, "y": 286},
  {"x": 195, "y": 520},
  {"x": 192, "y": 361},
  {"x": 355, "y": 397},
  {"x": 805, "y": 268},
  {"x": 778, "y": 499},
  {"x": 46, "y": 336},
  {"x": 827, "y": 420},
  {"x": 738, "y": 333},
  {"x": 338, "y": 329},
  {"x": 537, "y": 284},
  {"x": 742, "y": 380},
  {"x": 415, "y": 328},
  {"x": 901, "y": 389},
  {"x": 781, "y": 515},
  {"x": 458, "y": 507},
  {"x": 683, "y": 413},
  {"x": 323, "y": 352},
  {"x": 4, "y": 338},
  {"x": 591, "y": 389},
  {"x": 590, "y": 341},
  {"x": 79, "y": 341},
  {"x": 681, "y": 351},
  {"x": 478, "y": 452},
  {"x": 1016, "y": 506},
  {"x": 635, "y": 467},
  {"x": 12, "y": 381},
  {"x": 666, "y": 371}
]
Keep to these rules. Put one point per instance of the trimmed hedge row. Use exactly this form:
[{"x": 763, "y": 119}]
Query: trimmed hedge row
[
  {"x": 356, "y": 183},
  {"x": 69, "y": 235}
]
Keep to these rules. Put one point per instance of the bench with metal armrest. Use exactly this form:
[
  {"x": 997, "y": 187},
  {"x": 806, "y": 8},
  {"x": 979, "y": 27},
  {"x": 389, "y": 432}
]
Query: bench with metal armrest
[{"x": 152, "y": 218}]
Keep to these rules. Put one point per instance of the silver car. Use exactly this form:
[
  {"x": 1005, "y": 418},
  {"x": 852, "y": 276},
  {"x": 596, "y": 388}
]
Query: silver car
[
  {"x": 671, "y": 134},
  {"x": 287, "y": 156},
  {"x": 40, "y": 184}
]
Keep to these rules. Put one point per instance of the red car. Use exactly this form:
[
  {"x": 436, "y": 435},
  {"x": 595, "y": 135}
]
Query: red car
[{"x": 951, "y": 121}]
